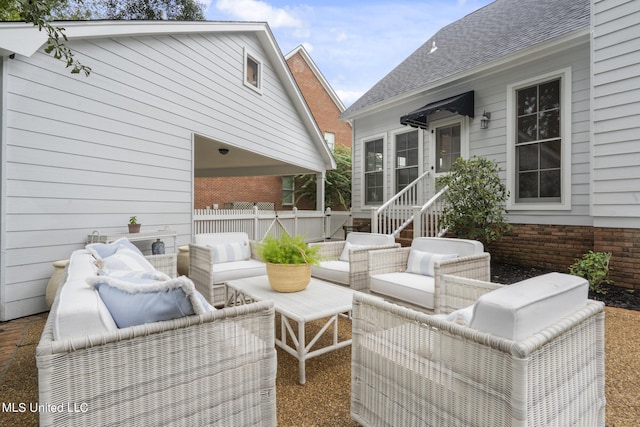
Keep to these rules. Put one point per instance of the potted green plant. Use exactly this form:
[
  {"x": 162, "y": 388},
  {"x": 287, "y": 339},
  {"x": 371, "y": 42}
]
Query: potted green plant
[
  {"x": 289, "y": 260},
  {"x": 134, "y": 227}
]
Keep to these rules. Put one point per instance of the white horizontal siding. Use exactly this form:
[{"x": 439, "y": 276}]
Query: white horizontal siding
[
  {"x": 616, "y": 113},
  {"x": 490, "y": 96},
  {"x": 85, "y": 153}
]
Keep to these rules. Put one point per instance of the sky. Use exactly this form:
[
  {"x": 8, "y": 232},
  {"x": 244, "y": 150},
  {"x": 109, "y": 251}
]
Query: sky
[{"x": 354, "y": 43}]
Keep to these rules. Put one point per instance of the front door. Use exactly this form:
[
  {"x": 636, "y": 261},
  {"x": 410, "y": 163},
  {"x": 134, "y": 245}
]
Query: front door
[{"x": 448, "y": 141}]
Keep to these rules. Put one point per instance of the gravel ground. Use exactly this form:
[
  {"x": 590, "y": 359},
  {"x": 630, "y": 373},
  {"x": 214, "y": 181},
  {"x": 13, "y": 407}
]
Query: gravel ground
[
  {"x": 324, "y": 400},
  {"x": 622, "y": 344}
]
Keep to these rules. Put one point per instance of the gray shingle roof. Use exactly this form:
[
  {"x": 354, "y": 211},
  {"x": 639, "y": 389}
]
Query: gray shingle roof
[{"x": 488, "y": 34}]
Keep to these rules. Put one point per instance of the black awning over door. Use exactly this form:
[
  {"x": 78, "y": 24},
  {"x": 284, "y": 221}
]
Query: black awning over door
[{"x": 461, "y": 104}]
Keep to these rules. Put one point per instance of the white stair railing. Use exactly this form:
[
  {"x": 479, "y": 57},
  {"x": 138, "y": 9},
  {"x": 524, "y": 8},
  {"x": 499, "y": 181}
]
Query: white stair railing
[
  {"x": 395, "y": 214},
  {"x": 427, "y": 218},
  {"x": 409, "y": 206}
]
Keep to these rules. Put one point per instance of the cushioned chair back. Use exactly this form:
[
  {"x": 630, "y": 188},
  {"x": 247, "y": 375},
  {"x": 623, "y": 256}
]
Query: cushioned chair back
[
  {"x": 220, "y": 238},
  {"x": 370, "y": 239},
  {"x": 440, "y": 245}
]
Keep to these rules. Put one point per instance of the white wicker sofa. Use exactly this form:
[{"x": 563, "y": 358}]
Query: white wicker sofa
[
  {"x": 215, "y": 258},
  {"x": 346, "y": 262},
  {"x": 411, "y": 275},
  {"x": 214, "y": 368},
  {"x": 528, "y": 354}
]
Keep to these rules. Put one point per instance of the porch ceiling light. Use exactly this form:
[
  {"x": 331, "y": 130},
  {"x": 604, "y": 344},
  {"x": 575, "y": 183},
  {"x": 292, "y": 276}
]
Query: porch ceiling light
[
  {"x": 484, "y": 120},
  {"x": 223, "y": 151}
]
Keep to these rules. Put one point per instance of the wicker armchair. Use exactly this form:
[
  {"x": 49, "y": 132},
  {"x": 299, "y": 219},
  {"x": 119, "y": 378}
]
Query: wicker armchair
[
  {"x": 410, "y": 368},
  {"x": 166, "y": 263},
  {"x": 388, "y": 274},
  {"x": 350, "y": 266},
  {"x": 209, "y": 274}
]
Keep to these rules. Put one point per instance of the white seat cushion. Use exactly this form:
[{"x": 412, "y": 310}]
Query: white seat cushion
[
  {"x": 333, "y": 271},
  {"x": 520, "y": 310},
  {"x": 238, "y": 270},
  {"x": 80, "y": 311},
  {"x": 413, "y": 288}
]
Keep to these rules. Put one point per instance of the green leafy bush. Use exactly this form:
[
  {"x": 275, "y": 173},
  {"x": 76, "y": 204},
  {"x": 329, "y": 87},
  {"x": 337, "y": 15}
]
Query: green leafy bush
[
  {"x": 474, "y": 205},
  {"x": 337, "y": 183},
  {"x": 593, "y": 266},
  {"x": 288, "y": 250}
]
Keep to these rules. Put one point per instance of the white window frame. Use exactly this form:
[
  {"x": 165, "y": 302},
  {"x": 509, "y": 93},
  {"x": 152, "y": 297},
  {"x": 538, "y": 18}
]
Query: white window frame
[
  {"x": 564, "y": 75},
  {"x": 330, "y": 139},
  {"x": 364, "y": 142},
  {"x": 291, "y": 190},
  {"x": 245, "y": 64},
  {"x": 394, "y": 161}
]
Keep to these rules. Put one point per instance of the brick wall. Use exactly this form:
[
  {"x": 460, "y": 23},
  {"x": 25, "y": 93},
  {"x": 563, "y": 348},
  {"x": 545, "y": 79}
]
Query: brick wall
[
  {"x": 624, "y": 245},
  {"x": 553, "y": 247},
  {"x": 324, "y": 110},
  {"x": 209, "y": 191},
  {"x": 556, "y": 247}
]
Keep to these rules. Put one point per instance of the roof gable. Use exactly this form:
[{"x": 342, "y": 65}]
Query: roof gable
[
  {"x": 499, "y": 29},
  {"x": 12, "y": 32},
  {"x": 317, "y": 73}
]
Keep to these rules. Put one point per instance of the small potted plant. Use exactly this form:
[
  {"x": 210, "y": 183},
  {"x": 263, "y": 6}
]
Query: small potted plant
[
  {"x": 134, "y": 227},
  {"x": 289, "y": 260}
]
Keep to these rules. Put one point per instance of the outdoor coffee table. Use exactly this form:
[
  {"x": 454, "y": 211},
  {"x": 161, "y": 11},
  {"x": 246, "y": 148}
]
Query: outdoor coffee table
[{"x": 318, "y": 301}]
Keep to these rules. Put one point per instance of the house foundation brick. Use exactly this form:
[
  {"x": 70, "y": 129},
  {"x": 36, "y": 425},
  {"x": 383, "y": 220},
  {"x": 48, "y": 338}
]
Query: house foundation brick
[{"x": 556, "y": 247}]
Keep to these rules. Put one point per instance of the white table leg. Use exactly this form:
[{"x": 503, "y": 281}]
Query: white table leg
[{"x": 302, "y": 352}]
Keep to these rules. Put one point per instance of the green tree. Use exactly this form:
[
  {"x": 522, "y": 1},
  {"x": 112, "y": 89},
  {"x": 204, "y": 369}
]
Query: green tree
[
  {"x": 337, "y": 184},
  {"x": 40, "y": 13},
  {"x": 179, "y": 10},
  {"x": 474, "y": 205},
  {"x": 9, "y": 10}
]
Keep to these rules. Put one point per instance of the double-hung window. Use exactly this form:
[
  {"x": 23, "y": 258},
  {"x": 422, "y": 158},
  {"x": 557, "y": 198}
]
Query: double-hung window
[
  {"x": 373, "y": 172},
  {"x": 406, "y": 159},
  {"x": 539, "y": 150},
  {"x": 288, "y": 190}
]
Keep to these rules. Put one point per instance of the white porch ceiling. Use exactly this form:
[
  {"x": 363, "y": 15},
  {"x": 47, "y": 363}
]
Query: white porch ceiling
[{"x": 209, "y": 162}]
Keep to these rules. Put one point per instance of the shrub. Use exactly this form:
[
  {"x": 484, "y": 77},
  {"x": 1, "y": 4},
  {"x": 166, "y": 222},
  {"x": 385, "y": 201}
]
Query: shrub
[
  {"x": 474, "y": 205},
  {"x": 593, "y": 266}
]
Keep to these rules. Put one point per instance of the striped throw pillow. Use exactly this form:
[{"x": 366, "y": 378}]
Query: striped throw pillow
[
  {"x": 229, "y": 252},
  {"x": 423, "y": 262}
]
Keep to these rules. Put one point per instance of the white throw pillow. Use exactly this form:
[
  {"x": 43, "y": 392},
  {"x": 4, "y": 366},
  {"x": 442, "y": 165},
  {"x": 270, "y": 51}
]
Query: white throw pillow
[
  {"x": 462, "y": 316},
  {"x": 423, "y": 262},
  {"x": 105, "y": 250},
  {"x": 344, "y": 256},
  {"x": 126, "y": 262},
  {"x": 230, "y": 252}
]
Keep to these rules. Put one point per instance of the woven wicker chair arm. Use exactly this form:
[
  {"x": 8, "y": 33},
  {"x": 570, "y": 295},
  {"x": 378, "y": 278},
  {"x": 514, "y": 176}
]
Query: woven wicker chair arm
[
  {"x": 329, "y": 250},
  {"x": 165, "y": 263},
  {"x": 388, "y": 260}
]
